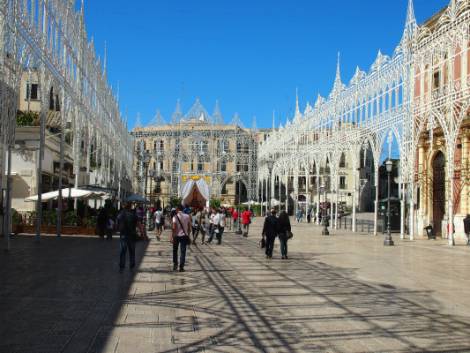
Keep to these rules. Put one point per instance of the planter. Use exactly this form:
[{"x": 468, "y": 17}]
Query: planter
[
  {"x": 66, "y": 230},
  {"x": 18, "y": 228}
]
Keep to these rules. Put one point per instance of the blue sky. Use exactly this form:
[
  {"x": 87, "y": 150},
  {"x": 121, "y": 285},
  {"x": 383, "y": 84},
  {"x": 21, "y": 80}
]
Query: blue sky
[{"x": 251, "y": 55}]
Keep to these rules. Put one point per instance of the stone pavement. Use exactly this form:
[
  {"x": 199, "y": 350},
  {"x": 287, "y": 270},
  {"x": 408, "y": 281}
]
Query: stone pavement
[{"x": 344, "y": 293}]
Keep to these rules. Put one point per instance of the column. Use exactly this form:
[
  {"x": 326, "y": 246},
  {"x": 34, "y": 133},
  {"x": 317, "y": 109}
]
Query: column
[
  {"x": 355, "y": 187},
  {"x": 317, "y": 209},
  {"x": 376, "y": 202},
  {"x": 287, "y": 192}
]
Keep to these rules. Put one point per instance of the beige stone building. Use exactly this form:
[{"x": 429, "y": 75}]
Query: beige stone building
[{"x": 196, "y": 148}]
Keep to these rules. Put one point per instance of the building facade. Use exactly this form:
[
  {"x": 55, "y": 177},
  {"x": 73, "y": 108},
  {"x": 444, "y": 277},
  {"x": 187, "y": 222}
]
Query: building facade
[{"x": 195, "y": 146}]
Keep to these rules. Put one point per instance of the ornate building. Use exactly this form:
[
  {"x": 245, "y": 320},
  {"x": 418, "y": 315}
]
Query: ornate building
[{"x": 196, "y": 148}]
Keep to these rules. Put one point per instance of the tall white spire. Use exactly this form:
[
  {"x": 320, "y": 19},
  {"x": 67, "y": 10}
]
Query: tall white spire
[
  {"x": 274, "y": 120},
  {"x": 236, "y": 120},
  {"x": 298, "y": 114},
  {"x": 138, "y": 122},
  {"x": 338, "y": 85},
  {"x": 105, "y": 60},
  {"x": 217, "y": 114},
  {"x": 177, "y": 114},
  {"x": 410, "y": 27},
  {"x": 254, "y": 126}
]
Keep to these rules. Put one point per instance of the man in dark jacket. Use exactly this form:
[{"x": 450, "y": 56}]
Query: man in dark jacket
[
  {"x": 270, "y": 231},
  {"x": 127, "y": 222}
]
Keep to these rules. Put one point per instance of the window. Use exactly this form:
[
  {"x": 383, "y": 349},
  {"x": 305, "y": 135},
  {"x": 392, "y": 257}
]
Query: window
[
  {"x": 32, "y": 91},
  {"x": 224, "y": 189},
  {"x": 200, "y": 165},
  {"x": 342, "y": 182},
  {"x": 435, "y": 81},
  {"x": 51, "y": 99},
  {"x": 162, "y": 145},
  {"x": 342, "y": 161},
  {"x": 223, "y": 166}
]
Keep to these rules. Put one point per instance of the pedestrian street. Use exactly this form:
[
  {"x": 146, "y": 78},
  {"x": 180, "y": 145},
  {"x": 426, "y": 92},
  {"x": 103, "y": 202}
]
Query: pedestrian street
[{"x": 342, "y": 293}]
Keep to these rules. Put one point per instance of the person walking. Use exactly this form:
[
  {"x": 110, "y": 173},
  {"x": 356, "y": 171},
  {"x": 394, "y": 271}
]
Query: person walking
[
  {"x": 234, "y": 219},
  {"x": 246, "y": 221},
  {"x": 309, "y": 215},
  {"x": 221, "y": 220},
  {"x": 102, "y": 222},
  {"x": 201, "y": 224},
  {"x": 180, "y": 237},
  {"x": 299, "y": 215},
  {"x": 159, "y": 221},
  {"x": 212, "y": 225},
  {"x": 127, "y": 223},
  {"x": 284, "y": 231},
  {"x": 270, "y": 231}
]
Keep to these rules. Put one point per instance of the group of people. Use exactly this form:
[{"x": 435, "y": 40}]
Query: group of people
[
  {"x": 276, "y": 227},
  {"x": 186, "y": 225}
]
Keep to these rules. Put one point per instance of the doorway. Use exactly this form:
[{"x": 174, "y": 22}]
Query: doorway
[{"x": 438, "y": 192}]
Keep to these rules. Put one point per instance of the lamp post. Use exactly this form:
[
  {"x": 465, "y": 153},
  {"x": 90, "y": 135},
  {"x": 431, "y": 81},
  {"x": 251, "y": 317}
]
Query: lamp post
[
  {"x": 239, "y": 230},
  {"x": 146, "y": 161},
  {"x": 388, "y": 238},
  {"x": 270, "y": 168},
  {"x": 324, "y": 219}
]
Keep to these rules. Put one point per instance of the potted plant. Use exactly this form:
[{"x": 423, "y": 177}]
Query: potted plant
[{"x": 17, "y": 222}]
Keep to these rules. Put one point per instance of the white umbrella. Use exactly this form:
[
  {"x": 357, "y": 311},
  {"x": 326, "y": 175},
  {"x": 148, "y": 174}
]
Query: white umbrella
[
  {"x": 250, "y": 203},
  {"x": 275, "y": 202},
  {"x": 66, "y": 193}
]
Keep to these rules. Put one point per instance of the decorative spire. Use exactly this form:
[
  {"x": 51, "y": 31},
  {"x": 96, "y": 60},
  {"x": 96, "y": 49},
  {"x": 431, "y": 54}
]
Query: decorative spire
[
  {"x": 197, "y": 112},
  {"x": 177, "y": 114},
  {"x": 157, "y": 120},
  {"x": 217, "y": 114},
  {"x": 338, "y": 85},
  {"x": 298, "y": 114},
  {"x": 138, "y": 122},
  {"x": 236, "y": 120},
  {"x": 254, "y": 126},
  {"x": 410, "y": 28},
  {"x": 105, "y": 60},
  {"x": 274, "y": 120}
]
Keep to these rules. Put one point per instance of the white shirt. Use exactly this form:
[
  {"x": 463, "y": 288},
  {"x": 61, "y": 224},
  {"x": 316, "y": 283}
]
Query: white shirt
[
  {"x": 158, "y": 216},
  {"x": 222, "y": 220}
]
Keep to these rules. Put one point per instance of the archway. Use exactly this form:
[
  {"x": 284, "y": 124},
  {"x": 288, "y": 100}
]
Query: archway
[{"x": 438, "y": 191}]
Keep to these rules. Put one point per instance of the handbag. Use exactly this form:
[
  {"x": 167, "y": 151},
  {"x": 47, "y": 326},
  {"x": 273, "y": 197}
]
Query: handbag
[
  {"x": 262, "y": 243},
  {"x": 290, "y": 235}
]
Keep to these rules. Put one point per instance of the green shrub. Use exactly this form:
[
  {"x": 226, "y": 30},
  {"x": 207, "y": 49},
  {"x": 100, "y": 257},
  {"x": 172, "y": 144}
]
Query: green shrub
[
  {"x": 70, "y": 219},
  {"x": 214, "y": 203},
  {"x": 175, "y": 202},
  {"x": 27, "y": 119},
  {"x": 16, "y": 217}
]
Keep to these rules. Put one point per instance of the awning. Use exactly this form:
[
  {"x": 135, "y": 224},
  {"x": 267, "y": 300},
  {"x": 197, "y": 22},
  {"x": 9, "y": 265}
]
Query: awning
[{"x": 66, "y": 193}]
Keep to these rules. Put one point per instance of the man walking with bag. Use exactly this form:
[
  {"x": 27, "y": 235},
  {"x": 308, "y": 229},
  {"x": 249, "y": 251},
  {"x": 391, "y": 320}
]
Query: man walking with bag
[
  {"x": 180, "y": 237},
  {"x": 270, "y": 231}
]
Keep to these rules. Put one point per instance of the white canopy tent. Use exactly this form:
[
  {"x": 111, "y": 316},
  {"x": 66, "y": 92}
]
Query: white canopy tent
[{"x": 195, "y": 191}]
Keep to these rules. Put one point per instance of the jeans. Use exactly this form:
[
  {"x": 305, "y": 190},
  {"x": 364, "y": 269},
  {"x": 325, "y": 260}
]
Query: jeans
[
  {"x": 246, "y": 228},
  {"x": 283, "y": 241},
  {"x": 127, "y": 243},
  {"x": 196, "y": 231},
  {"x": 219, "y": 235},
  {"x": 270, "y": 245},
  {"x": 183, "y": 243}
]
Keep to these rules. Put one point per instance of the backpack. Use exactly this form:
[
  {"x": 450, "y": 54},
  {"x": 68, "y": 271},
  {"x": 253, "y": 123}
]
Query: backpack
[{"x": 127, "y": 224}]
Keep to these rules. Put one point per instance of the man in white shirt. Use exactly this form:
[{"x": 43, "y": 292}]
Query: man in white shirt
[
  {"x": 158, "y": 216},
  {"x": 180, "y": 237}
]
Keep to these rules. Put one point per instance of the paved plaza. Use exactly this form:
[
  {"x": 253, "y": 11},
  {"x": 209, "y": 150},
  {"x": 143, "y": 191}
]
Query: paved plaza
[{"x": 343, "y": 293}]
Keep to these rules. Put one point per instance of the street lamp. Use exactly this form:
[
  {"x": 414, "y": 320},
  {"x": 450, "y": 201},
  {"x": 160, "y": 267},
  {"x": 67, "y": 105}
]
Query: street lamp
[
  {"x": 239, "y": 230},
  {"x": 270, "y": 168},
  {"x": 388, "y": 239},
  {"x": 324, "y": 220}
]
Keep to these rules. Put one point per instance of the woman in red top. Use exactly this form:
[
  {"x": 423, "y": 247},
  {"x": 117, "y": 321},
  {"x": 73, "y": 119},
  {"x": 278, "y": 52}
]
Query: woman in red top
[
  {"x": 246, "y": 220},
  {"x": 234, "y": 218}
]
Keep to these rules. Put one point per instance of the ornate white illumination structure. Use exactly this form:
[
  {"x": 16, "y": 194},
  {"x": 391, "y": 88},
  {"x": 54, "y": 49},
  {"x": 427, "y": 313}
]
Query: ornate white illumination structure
[
  {"x": 49, "y": 37},
  {"x": 361, "y": 114}
]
